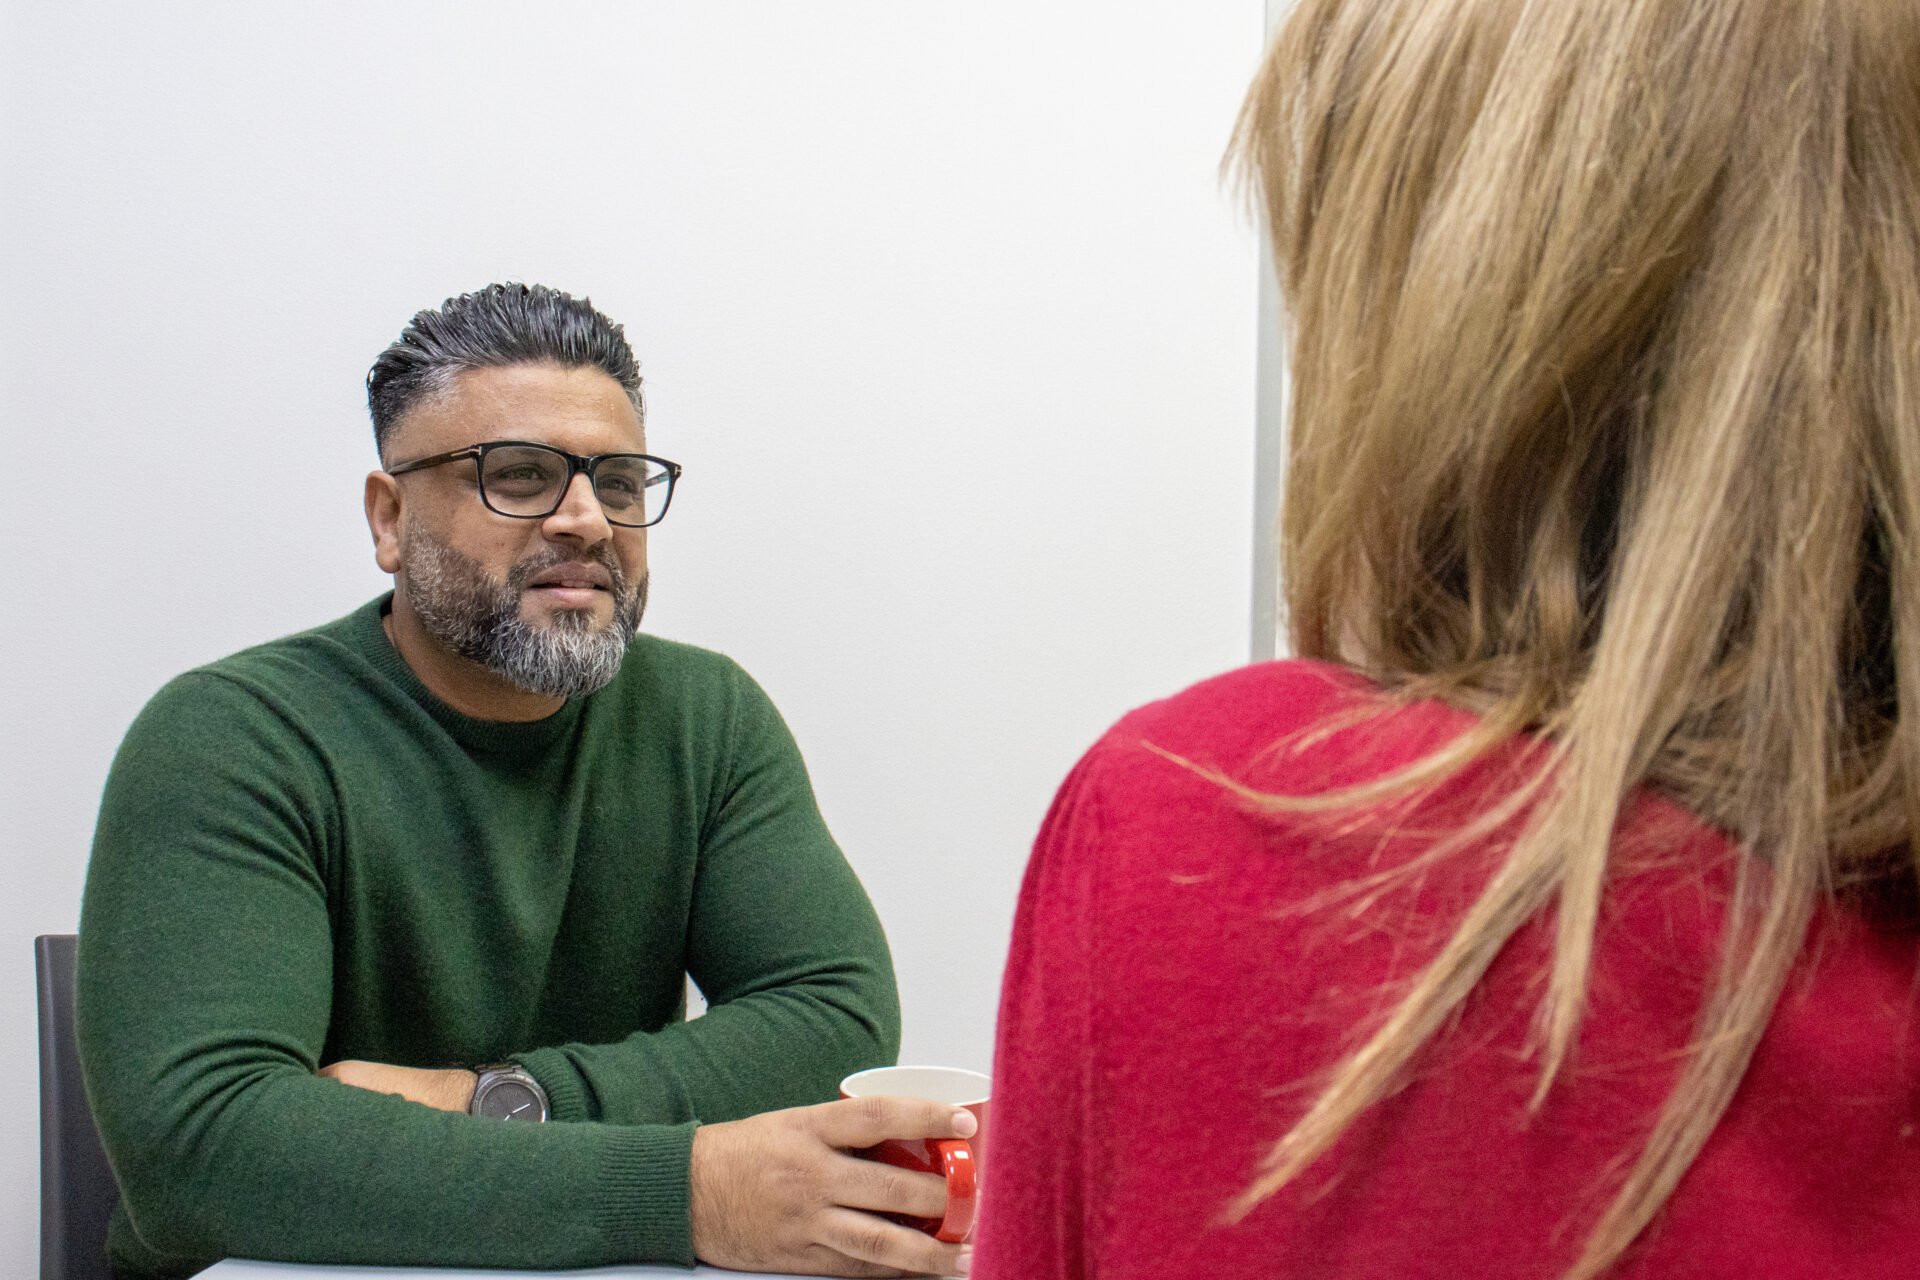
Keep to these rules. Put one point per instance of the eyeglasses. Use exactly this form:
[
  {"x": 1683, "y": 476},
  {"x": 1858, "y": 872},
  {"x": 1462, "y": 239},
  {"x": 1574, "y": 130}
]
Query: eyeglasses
[{"x": 529, "y": 481}]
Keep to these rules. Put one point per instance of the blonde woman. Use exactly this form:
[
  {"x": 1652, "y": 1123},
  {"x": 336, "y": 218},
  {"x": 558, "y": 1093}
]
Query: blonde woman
[{"x": 1554, "y": 915}]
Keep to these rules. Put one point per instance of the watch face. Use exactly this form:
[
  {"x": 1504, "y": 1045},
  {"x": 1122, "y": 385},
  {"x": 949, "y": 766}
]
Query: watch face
[{"x": 509, "y": 1100}]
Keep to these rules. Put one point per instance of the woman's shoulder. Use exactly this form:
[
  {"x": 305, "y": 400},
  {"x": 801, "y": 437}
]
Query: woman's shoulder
[
  {"x": 1248, "y": 708},
  {"x": 1290, "y": 687},
  {"x": 1295, "y": 724}
]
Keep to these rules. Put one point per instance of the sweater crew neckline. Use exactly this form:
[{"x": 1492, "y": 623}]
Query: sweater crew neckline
[{"x": 494, "y": 737}]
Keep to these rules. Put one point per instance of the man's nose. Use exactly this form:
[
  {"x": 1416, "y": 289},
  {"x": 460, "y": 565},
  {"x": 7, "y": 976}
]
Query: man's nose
[{"x": 579, "y": 515}]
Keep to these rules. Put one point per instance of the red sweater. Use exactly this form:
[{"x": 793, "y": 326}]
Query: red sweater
[{"x": 1167, "y": 1005}]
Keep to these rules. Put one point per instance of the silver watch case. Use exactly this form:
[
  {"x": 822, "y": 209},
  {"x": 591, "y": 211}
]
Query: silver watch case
[{"x": 505, "y": 1091}]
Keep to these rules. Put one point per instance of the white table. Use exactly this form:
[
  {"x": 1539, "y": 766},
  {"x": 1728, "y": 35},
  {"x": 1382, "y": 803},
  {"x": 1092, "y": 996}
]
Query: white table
[{"x": 245, "y": 1269}]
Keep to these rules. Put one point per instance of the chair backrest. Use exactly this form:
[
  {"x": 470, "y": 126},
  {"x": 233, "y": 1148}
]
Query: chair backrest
[{"x": 77, "y": 1190}]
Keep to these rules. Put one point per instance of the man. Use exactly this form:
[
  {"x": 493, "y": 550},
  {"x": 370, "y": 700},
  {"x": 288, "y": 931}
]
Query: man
[{"x": 365, "y": 900}]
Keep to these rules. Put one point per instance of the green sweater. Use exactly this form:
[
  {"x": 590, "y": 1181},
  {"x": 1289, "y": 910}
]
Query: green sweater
[{"x": 303, "y": 856}]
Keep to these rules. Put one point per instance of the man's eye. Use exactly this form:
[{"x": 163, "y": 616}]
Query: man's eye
[{"x": 527, "y": 480}]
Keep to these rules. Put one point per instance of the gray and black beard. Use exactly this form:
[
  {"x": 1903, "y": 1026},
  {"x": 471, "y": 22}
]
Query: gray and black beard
[{"x": 479, "y": 618}]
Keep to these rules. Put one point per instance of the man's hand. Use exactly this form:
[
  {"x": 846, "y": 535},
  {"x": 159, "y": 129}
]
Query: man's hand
[
  {"x": 779, "y": 1192},
  {"x": 450, "y": 1090}
]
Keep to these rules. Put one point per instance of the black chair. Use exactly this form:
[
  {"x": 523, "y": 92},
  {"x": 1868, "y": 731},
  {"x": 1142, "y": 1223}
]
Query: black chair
[{"x": 77, "y": 1190}]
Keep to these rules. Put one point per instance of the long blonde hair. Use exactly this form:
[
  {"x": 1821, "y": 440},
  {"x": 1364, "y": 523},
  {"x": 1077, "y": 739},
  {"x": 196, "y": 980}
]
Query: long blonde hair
[{"x": 1605, "y": 333}]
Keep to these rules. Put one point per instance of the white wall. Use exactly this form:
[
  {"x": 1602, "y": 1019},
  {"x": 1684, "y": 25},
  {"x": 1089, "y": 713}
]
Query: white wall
[{"x": 942, "y": 307}]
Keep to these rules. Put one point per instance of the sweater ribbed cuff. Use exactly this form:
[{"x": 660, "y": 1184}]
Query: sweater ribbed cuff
[
  {"x": 643, "y": 1197},
  {"x": 566, "y": 1093}
]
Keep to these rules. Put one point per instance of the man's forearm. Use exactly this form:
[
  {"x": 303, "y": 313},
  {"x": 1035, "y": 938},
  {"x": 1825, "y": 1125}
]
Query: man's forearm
[
  {"x": 444, "y": 1090},
  {"x": 784, "y": 1047}
]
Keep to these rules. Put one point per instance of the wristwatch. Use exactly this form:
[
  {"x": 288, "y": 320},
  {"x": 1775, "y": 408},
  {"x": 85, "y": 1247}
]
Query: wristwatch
[{"x": 506, "y": 1092}]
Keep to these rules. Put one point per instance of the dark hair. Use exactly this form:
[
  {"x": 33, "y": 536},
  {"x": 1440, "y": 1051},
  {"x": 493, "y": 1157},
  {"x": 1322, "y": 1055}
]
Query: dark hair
[{"x": 501, "y": 324}]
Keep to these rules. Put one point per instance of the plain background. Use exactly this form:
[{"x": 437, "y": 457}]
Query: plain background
[{"x": 944, "y": 309}]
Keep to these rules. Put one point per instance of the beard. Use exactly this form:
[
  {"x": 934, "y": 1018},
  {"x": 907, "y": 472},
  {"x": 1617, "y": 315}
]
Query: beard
[{"x": 479, "y": 618}]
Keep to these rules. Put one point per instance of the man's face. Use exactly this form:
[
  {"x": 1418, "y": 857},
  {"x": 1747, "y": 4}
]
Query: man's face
[{"x": 549, "y": 604}]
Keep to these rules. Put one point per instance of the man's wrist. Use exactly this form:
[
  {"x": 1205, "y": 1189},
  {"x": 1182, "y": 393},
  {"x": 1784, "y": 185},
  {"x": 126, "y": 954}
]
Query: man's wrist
[
  {"x": 444, "y": 1089},
  {"x": 456, "y": 1089}
]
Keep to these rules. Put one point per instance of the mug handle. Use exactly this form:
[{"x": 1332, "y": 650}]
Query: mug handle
[{"x": 954, "y": 1159}]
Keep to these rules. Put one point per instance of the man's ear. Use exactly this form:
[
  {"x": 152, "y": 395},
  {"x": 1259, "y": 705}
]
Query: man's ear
[{"x": 383, "y": 519}]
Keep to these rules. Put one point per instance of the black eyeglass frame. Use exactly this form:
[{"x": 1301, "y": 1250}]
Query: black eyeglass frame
[{"x": 576, "y": 465}]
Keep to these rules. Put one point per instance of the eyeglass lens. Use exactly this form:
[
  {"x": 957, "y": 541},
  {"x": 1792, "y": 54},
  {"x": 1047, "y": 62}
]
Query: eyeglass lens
[{"x": 526, "y": 480}]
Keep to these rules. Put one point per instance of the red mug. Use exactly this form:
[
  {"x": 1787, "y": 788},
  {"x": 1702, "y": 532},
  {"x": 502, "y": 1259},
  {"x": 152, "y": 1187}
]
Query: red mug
[{"x": 961, "y": 1161}]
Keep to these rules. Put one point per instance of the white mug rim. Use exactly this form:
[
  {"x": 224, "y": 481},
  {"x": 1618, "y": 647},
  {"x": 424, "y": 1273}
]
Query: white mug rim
[{"x": 982, "y": 1083}]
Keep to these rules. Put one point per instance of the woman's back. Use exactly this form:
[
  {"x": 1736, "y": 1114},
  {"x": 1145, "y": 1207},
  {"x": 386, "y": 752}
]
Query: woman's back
[
  {"x": 1185, "y": 971},
  {"x": 1604, "y": 422}
]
